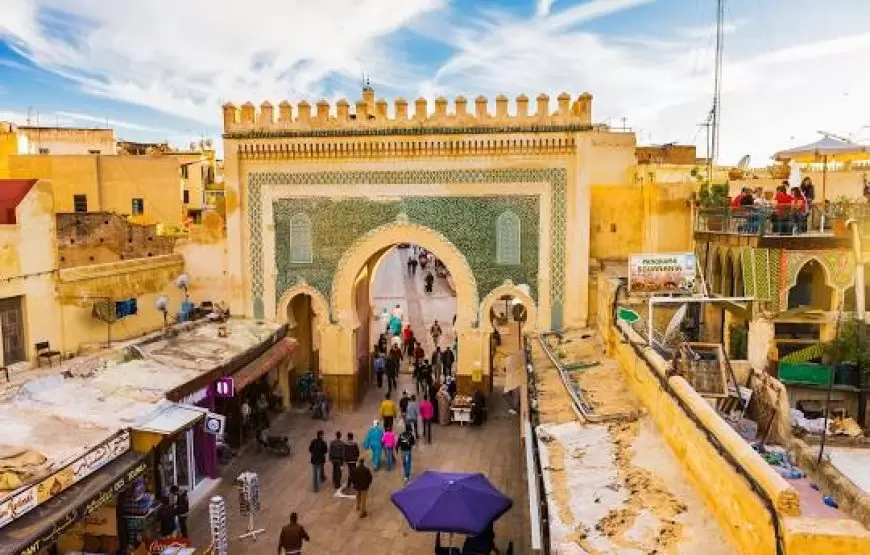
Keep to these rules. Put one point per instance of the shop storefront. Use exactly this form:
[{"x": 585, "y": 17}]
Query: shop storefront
[
  {"x": 265, "y": 372},
  {"x": 82, "y": 518},
  {"x": 174, "y": 434}
]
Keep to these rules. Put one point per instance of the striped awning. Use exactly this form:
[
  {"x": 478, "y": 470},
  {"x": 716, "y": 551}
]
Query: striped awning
[{"x": 265, "y": 363}]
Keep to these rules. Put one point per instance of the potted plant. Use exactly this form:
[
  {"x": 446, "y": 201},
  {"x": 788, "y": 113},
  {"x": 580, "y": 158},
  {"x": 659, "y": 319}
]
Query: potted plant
[
  {"x": 713, "y": 199},
  {"x": 851, "y": 353},
  {"x": 838, "y": 211}
]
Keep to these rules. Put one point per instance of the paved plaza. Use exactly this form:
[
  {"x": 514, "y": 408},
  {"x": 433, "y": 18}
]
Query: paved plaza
[{"x": 332, "y": 522}]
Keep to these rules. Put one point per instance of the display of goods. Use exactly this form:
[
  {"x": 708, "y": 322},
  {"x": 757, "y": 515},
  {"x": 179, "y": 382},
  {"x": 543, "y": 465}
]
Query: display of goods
[
  {"x": 217, "y": 514},
  {"x": 248, "y": 484}
]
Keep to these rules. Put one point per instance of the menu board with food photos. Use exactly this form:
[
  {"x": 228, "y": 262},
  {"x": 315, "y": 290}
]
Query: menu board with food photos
[{"x": 662, "y": 273}]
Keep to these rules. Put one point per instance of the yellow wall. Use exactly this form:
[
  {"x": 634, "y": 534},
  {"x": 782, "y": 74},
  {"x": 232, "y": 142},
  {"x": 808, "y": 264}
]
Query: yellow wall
[
  {"x": 8, "y": 147},
  {"x": 110, "y": 182},
  {"x": 617, "y": 222},
  {"x": 737, "y": 508},
  {"x": 27, "y": 259}
]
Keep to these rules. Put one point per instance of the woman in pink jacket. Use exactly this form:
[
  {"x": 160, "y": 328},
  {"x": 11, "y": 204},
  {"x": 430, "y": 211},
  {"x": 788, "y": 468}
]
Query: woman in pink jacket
[
  {"x": 427, "y": 413},
  {"x": 390, "y": 440}
]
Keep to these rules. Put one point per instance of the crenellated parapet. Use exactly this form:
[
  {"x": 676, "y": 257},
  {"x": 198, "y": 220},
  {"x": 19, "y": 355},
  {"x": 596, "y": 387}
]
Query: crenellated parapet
[{"x": 368, "y": 113}]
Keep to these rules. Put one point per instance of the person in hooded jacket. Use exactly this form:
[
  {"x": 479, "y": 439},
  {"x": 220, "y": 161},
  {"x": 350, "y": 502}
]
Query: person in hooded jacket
[
  {"x": 374, "y": 442},
  {"x": 351, "y": 455}
]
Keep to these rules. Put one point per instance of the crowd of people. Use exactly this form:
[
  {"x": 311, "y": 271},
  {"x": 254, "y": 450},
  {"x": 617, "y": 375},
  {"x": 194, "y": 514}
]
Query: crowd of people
[{"x": 788, "y": 208}]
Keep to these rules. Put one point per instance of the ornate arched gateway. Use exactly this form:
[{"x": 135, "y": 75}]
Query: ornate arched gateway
[{"x": 313, "y": 197}]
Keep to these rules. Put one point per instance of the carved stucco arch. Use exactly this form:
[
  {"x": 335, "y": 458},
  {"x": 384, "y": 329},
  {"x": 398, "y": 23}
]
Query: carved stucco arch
[
  {"x": 385, "y": 236},
  {"x": 838, "y": 294},
  {"x": 509, "y": 288},
  {"x": 319, "y": 304}
]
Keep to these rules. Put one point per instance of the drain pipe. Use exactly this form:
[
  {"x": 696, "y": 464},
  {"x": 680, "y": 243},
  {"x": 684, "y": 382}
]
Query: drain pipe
[{"x": 860, "y": 299}]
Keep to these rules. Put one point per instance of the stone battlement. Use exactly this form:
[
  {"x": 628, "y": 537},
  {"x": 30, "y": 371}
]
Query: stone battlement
[{"x": 369, "y": 113}]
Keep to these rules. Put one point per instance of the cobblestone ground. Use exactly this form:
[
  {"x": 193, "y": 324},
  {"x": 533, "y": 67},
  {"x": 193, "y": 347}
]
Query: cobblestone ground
[{"x": 332, "y": 523}]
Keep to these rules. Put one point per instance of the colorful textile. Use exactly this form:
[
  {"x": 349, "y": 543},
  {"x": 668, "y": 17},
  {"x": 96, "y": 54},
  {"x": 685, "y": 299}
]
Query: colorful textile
[{"x": 806, "y": 354}]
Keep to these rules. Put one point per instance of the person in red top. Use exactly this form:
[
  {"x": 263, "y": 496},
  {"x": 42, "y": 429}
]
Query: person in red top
[
  {"x": 408, "y": 339},
  {"x": 784, "y": 203},
  {"x": 800, "y": 209}
]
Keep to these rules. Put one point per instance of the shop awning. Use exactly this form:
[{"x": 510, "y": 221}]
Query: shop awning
[
  {"x": 169, "y": 418},
  {"x": 265, "y": 363},
  {"x": 42, "y": 526}
]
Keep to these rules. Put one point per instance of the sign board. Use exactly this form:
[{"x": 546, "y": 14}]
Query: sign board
[
  {"x": 108, "y": 493},
  {"x": 22, "y": 501},
  {"x": 662, "y": 273},
  {"x": 627, "y": 315},
  {"x": 225, "y": 387},
  {"x": 215, "y": 424}
]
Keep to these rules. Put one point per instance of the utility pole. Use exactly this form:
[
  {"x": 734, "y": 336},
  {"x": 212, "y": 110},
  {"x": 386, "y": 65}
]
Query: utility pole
[{"x": 717, "y": 80}]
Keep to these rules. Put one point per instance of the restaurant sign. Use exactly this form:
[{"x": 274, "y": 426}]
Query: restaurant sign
[
  {"x": 100, "y": 498},
  {"x": 22, "y": 501},
  {"x": 662, "y": 273}
]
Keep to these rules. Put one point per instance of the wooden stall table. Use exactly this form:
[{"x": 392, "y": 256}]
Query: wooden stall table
[{"x": 460, "y": 410}]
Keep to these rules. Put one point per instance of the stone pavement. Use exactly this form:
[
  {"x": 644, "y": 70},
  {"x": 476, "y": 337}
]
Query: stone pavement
[
  {"x": 392, "y": 285},
  {"x": 332, "y": 523}
]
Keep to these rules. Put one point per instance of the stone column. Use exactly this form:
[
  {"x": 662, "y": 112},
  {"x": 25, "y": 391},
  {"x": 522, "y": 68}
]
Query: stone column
[
  {"x": 473, "y": 352},
  {"x": 284, "y": 383},
  {"x": 338, "y": 364},
  {"x": 237, "y": 258},
  {"x": 575, "y": 307}
]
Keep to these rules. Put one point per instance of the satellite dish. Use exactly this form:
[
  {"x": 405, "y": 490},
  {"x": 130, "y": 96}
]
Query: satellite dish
[
  {"x": 674, "y": 323},
  {"x": 162, "y": 303},
  {"x": 744, "y": 162}
]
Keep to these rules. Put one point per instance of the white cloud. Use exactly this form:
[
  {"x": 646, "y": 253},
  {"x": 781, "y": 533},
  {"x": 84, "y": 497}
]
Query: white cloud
[
  {"x": 103, "y": 122},
  {"x": 186, "y": 58}
]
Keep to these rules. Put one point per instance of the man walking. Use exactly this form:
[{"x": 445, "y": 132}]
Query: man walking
[
  {"x": 388, "y": 411},
  {"x": 361, "y": 479},
  {"x": 292, "y": 537},
  {"x": 336, "y": 457},
  {"x": 447, "y": 360},
  {"x": 403, "y": 404},
  {"x": 437, "y": 362},
  {"x": 412, "y": 414},
  {"x": 404, "y": 446},
  {"x": 435, "y": 332},
  {"x": 318, "y": 451},
  {"x": 380, "y": 365},
  {"x": 351, "y": 455},
  {"x": 392, "y": 372},
  {"x": 427, "y": 413}
]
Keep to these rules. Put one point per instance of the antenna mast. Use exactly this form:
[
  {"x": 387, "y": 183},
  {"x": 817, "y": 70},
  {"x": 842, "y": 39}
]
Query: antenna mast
[{"x": 716, "y": 113}]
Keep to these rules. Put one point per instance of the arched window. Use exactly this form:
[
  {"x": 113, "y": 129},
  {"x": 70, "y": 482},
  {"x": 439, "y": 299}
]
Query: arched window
[
  {"x": 507, "y": 239},
  {"x": 301, "y": 251}
]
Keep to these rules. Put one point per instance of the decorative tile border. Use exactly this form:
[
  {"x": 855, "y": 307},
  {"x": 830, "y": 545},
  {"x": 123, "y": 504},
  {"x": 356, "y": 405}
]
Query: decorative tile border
[{"x": 556, "y": 177}]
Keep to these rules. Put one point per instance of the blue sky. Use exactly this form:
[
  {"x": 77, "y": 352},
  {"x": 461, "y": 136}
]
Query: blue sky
[{"x": 161, "y": 69}]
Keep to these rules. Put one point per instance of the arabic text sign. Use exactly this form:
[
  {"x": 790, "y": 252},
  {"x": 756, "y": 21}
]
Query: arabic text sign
[
  {"x": 24, "y": 500},
  {"x": 662, "y": 273}
]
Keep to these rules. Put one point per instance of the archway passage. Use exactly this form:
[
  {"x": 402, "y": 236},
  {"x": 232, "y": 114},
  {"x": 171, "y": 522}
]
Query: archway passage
[
  {"x": 411, "y": 291},
  {"x": 357, "y": 316}
]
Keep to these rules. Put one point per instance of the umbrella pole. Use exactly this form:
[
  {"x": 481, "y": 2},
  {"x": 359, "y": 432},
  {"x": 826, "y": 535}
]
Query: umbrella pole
[{"x": 824, "y": 177}]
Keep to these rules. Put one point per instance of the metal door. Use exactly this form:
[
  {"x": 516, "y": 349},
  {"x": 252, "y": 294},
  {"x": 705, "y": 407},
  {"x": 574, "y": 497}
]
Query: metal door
[{"x": 12, "y": 324}]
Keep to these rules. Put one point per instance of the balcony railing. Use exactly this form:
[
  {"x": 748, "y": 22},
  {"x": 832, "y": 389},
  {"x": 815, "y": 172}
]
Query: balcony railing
[{"x": 820, "y": 221}]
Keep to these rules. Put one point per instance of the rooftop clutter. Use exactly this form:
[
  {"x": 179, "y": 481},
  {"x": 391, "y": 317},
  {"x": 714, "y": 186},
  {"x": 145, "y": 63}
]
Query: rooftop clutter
[{"x": 369, "y": 112}]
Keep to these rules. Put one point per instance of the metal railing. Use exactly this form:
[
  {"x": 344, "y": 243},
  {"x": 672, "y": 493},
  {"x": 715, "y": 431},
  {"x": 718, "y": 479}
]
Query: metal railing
[
  {"x": 538, "y": 510},
  {"x": 819, "y": 221}
]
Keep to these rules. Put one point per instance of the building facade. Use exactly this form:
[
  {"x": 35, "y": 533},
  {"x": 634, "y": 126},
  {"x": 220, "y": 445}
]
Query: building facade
[{"x": 314, "y": 195}]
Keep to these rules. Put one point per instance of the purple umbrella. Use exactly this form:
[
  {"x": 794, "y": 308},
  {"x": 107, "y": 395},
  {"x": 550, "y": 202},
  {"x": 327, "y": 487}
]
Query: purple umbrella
[{"x": 458, "y": 503}]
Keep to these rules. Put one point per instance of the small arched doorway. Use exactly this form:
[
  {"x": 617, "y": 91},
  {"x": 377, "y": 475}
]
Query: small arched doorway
[
  {"x": 506, "y": 314},
  {"x": 811, "y": 290},
  {"x": 305, "y": 311}
]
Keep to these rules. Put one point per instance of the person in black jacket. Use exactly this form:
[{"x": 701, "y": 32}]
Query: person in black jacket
[
  {"x": 351, "y": 455},
  {"x": 361, "y": 479},
  {"x": 336, "y": 457},
  {"x": 447, "y": 360},
  {"x": 318, "y": 451},
  {"x": 182, "y": 508},
  {"x": 166, "y": 516}
]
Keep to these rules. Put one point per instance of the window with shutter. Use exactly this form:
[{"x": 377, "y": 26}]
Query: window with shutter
[
  {"x": 507, "y": 234},
  {"x": 301, "y": 251}
]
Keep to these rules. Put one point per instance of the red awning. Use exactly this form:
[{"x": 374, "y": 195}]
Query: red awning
[
  {"x": 264, "y": 363},
  {"x": 12, "y": 192}
]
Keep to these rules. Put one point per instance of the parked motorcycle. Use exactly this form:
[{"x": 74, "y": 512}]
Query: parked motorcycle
[{"x": 277, "y": 445}]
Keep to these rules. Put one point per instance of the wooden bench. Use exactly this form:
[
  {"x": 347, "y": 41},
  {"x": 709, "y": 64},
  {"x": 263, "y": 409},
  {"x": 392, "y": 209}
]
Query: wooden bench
[{"x": 44, "y": 351}]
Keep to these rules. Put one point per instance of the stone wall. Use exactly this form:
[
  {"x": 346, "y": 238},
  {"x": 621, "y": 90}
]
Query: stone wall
[{"x": 100, "y": 237}]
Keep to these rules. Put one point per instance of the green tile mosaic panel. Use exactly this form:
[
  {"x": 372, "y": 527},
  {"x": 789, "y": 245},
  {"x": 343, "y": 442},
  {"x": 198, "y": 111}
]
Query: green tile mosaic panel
[{"x": 468, "y": 222}]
